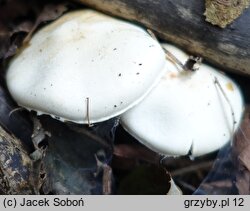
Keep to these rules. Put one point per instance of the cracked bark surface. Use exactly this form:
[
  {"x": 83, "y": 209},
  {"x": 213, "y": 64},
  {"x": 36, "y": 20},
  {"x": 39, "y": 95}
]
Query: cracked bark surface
[{"x": 183, "y": 23}]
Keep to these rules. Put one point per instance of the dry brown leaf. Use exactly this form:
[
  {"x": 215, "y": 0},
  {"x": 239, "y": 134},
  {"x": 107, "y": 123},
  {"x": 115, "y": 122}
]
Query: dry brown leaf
[
  {"x": 241, "y": 153},
  {"x": 4, "y": 37},
  {"x": 243, "y": 182},
  {"x": 18, "y": 17},
  {"x": 49, "y": 13},
  {"x": 14, "y": 15},
  {"x": 241, "y": 144},
  {"x": 16, "y": 169}
]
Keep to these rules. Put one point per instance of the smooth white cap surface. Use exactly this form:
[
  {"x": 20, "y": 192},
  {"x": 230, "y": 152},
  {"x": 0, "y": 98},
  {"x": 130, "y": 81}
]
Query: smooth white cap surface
[
  {"x": 187, "y": 112},
  {"x": 85, "y": 55}
]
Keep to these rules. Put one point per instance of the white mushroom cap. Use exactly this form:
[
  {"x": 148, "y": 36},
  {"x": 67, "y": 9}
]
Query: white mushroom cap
[
  {"x": 85, "y": 55},
  {"x": 187, "y": 112}
]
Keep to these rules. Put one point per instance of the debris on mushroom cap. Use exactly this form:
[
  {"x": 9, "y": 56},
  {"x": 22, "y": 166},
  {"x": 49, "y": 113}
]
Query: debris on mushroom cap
[
  {"x": 85, "y": 67},
  {"x": 192, "y": 112}
]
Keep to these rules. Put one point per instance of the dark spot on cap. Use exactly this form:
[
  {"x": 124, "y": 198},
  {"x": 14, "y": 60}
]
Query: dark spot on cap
[
  {"x": 137, "y": 73},
  {"x": 140, "y": 64},
  {"x": 114, "y": 49},
  {"x": 120, "y": 74},
  {"x": 115, "y": 106}
]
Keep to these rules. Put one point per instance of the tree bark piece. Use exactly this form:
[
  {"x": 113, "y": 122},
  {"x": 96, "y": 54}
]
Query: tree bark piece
[
  {"x": 183, "y": 23},
  {"x": 16, "y": 167},
  {"x": 224, "y": 12},
  {"x": 14, "y": 121}
]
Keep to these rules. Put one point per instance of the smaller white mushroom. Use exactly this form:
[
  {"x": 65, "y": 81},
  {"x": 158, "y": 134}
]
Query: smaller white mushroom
[
  {"x": 189, "y": 112},
  {"x": 85, "y": 67}
]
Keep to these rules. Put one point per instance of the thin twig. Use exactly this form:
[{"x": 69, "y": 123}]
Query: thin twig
[
  {"x": 192, "y": 168},
  {"x": 244, "y": 134},
  {"x": 92, "y": 136},
  {"x": 169, "y": 55},
  {"x": 186, "y": 185},
  {"x": 106, "y": 175},
  {"x": 216, "y": 82},
  {"x": 88, "y": 116},
  {"x": 14, "y": 110},
  {"x": 174, "y": 59},
  {"x": 152, "y": 34},
  {"x": 107, "y": 180}
]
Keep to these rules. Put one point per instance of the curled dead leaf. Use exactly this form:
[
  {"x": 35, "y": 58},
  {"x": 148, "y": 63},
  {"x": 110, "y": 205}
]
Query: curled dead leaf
[
  {"x": 49, "y": 13},
  {"x": 241, "y": 154}
]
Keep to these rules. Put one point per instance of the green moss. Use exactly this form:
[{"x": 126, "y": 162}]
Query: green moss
[{"x": 224, "y": 12}]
